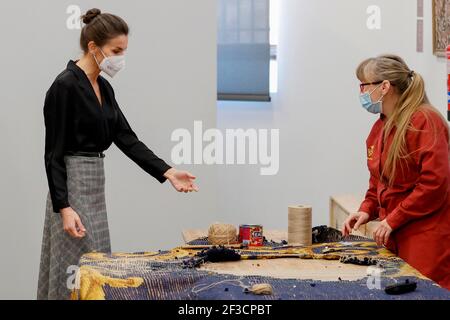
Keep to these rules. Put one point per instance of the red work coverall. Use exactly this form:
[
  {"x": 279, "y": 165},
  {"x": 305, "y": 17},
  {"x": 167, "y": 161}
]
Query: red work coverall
[{"x": 417, "y": 206}]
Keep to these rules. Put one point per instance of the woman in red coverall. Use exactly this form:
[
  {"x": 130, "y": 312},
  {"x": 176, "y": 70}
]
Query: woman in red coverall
[{"x": 408, "y": 161}]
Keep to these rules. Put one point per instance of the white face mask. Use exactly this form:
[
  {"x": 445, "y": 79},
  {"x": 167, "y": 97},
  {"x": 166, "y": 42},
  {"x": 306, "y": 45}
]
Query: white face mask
[{"x": 111, "y": 65}]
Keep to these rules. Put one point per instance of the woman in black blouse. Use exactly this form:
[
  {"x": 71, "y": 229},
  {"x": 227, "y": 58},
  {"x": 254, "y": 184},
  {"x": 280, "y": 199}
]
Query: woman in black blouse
[{"x": 82, "y": 119}]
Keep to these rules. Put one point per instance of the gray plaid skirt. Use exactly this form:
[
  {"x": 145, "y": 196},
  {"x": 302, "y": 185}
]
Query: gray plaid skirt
[{"x": 60, "y": 252}]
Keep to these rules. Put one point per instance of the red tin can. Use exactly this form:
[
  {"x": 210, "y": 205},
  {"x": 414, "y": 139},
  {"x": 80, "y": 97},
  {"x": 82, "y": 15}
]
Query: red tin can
[{"x": 251, "y": 235}]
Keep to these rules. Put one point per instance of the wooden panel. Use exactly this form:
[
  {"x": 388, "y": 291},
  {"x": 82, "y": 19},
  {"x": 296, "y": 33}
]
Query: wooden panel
[{"x": 192, "y": 234}]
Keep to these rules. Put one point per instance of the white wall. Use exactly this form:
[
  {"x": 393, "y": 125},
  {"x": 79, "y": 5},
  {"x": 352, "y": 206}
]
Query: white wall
[
  {"x": 169, "y": 81},
  {"x": 322, "y": 126}
]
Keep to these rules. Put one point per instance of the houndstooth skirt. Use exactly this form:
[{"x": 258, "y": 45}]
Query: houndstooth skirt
[{"x": 60, "y": 252}]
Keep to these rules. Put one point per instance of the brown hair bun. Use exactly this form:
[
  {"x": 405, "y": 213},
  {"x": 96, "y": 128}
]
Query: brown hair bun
[{"x": 90, "y": 15}]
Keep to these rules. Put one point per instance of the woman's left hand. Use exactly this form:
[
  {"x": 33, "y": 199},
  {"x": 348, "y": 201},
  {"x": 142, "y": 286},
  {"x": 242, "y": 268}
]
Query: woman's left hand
[
  {"x": 182, "y": 181},
  {"x": 382, "y": 233}
]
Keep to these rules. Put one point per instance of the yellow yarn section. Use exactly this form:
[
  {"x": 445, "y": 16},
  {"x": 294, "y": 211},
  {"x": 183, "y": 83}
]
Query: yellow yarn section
[{"x": 92, "y": 282}]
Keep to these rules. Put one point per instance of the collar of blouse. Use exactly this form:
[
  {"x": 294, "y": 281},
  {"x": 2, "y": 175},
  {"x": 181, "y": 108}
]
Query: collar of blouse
[{"x": 83, "y": 80}]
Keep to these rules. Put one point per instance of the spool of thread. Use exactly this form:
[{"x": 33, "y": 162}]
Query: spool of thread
[
  {"x": 300, "y": 225},
  {"x": 221, "y": 233}
]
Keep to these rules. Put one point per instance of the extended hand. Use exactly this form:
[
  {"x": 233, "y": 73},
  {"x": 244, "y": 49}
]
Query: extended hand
[{"x": 182, "y": 181}]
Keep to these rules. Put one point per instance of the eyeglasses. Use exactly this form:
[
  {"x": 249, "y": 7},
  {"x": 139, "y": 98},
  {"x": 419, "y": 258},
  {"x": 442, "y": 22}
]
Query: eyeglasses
[{"x": 362, "y": 85}]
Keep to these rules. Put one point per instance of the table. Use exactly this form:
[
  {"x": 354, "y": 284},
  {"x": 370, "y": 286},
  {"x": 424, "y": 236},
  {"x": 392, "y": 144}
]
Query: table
[{"x": 318, "y": 274}]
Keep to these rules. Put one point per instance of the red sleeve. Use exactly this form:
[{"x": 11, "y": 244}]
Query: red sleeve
[
  {"x": 430, "y": 192},
  {"x": 370, "y": 203}
]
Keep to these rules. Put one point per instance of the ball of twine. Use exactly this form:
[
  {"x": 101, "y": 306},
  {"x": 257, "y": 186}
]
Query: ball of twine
[
  {"x": 221, "y": 233},
  {"x": 261, "y": 289}
]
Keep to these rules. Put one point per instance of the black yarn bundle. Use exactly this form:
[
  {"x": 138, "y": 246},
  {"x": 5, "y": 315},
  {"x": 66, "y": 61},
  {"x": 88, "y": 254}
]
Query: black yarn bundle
[
  {"x": 324, "y": 234},
  {"x": 214, "y": 254}
]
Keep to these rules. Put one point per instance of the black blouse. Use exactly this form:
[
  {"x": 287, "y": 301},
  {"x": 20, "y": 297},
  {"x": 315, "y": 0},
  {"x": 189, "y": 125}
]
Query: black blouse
[{"x": 76, "y": 121}]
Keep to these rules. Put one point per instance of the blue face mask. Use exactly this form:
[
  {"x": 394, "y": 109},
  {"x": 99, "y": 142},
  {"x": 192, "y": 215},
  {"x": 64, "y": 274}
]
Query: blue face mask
[{"x": 368, "y": 104}]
